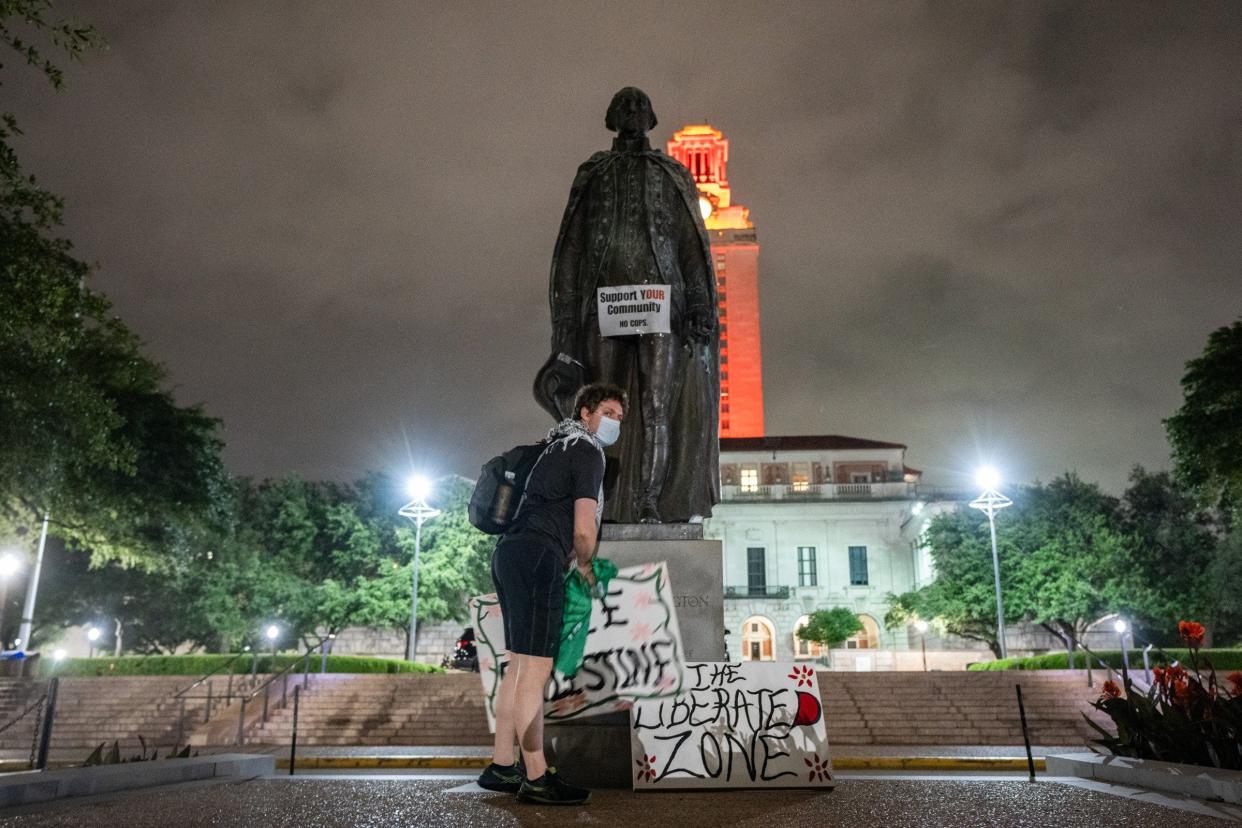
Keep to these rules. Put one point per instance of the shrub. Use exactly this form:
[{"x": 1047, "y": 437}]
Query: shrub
[
  {"x": 197, "y": 665},
  {"x": 1222, "y": 659}
]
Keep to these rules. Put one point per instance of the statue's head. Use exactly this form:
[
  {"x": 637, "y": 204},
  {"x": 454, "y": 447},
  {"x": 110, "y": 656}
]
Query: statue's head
[{"x": 630, "y": 113}]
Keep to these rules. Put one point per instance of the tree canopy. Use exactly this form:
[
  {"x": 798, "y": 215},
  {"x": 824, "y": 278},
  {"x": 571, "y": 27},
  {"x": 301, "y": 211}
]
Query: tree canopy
[
  {"x": 1206, "y": 432},
  {"x": 829, "y": 627}
]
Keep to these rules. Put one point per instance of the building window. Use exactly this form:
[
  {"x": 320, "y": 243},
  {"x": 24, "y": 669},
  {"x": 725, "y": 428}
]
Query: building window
[
  {"x": 866, "y": 639},
  {"x": 757, "y": 637},
  {"x": 802, "y": 648},
  {"x": 750, "y": 479},
  {"x": 858, "y": 566},
  {"x": 800, "y": 476},
  {"x": 756, "y": 570},
  {"x": 806, "y": 566},
  {"x": 864, "y": 477}
]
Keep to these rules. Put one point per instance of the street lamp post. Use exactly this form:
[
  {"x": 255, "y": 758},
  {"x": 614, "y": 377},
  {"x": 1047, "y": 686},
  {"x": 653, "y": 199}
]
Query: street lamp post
[
  {"x": 921, "y": 626},
  {"x": 92, "y": 635},
  {"x": 9, "y": 564},
  {"x": 273, "y": 633},
  {"x": 991, "y": 502},
  {"x": 417, "y": 510},
  {"x": 1121, "y": 627},
  {"x": 32, "y": 590}
]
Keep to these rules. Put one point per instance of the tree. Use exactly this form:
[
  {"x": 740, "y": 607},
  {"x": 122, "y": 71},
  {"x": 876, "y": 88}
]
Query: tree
[
  {"x": 86, "y": 432},
  {"x": 961, "y": 600},
  {"x": 830, "y": 627},
  {"x": 1172, "y": 552},
  {"x": 1072, "y": 558},
  {"x": 1206, "y": 432}
]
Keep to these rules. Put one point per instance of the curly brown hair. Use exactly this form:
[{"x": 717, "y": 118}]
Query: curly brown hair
[{"x": 590, "y": 397}]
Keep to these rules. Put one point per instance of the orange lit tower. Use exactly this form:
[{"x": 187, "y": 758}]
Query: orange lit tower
[{"x": 735, "y": 247}]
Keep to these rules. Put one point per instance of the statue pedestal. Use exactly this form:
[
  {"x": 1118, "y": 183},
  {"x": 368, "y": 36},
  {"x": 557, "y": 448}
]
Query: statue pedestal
[{"x": 595, "y": 750}]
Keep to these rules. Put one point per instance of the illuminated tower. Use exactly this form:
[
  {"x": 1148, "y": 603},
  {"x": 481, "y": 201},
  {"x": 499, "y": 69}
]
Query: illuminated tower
[{"x": 735, "y": 247}]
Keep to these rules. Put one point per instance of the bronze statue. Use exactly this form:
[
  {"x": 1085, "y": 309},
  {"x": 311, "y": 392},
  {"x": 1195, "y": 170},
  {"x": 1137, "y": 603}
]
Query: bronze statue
[{"x": 632, "y": 221}]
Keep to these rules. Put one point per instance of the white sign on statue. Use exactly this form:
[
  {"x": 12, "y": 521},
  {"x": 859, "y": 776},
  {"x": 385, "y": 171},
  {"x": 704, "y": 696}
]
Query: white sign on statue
[
  {"x": 633, "y": 649},
  {"x": 754, "y": 724},
  {"x": 633, "y": 309}
]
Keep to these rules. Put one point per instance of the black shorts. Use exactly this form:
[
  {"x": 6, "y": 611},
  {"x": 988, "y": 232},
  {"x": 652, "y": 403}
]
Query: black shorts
[{"x": 530, "y": 583}]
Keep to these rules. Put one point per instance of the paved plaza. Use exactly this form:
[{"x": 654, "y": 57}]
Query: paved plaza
[{"x": 374, "y": 800}]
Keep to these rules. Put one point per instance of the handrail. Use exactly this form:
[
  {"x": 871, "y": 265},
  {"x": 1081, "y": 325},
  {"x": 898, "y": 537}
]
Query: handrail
[
  {"x": 305, "y": 657},
  {"x": 207, "y": 676}
]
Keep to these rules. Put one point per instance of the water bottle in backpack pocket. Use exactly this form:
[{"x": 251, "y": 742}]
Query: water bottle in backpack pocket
[{"x": 498, "y": 492}]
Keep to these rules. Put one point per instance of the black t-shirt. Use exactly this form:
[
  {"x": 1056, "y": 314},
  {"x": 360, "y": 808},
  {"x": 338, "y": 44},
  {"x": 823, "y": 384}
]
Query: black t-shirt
[{"x": 570, "y": 468}]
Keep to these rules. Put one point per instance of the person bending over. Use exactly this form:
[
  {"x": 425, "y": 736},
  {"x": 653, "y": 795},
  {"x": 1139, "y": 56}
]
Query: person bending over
[{"x": 556, "y": 527}]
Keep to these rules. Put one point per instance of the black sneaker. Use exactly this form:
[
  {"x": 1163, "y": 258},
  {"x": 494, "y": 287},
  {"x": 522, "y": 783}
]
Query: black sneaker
[
  {"x": 503, "y": 778},
  {"x": 550, "y": 789}
]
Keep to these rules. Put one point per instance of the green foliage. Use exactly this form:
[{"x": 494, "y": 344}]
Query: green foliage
[
  {"x": 1206, "y": 432},
  {"x": 1071, "y": 554},
  {"x": 830, "y": 627},
  {"x": 1222, "y": 659},
  {"x": 962, "y": 599},
  {"x": 199, "y": 665},
  {"x": 86, "y": 430}
]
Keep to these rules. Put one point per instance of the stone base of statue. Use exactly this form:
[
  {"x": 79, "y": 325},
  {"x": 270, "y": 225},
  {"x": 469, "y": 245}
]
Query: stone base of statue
[{"x": 595, "y": 750}]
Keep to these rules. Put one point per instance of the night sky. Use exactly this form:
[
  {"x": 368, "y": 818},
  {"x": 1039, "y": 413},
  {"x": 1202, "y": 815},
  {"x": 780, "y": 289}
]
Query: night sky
[{"x": 989, "y": 230}]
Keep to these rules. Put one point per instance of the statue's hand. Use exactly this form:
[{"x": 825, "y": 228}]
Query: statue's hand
[{"x": 700, "y": 323}]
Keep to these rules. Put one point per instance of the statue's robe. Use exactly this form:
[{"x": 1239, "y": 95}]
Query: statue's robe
[{"x": 692, "y": 484}]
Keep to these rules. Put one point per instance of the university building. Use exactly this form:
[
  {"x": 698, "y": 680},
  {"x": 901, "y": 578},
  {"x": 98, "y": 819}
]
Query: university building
[{"x": 810, "y": 523}]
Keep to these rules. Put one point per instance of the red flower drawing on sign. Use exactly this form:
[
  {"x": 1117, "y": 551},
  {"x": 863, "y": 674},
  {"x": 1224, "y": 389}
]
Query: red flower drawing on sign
[
  {"x": 646, "y": 768},
  {"x": 820, "y": 770},
  {"x": 803, "y": 675}
]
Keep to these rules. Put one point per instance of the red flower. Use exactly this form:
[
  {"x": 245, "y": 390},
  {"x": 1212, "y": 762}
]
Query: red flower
[
  {"x": 1158, "y": 675},
  {"x": 1235, "y": 681},
  {"x": 1111, "y": 690},
  {"x": 1191, "y": 632}
]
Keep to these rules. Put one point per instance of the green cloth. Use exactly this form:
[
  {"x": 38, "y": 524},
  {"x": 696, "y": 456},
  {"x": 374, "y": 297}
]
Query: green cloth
[{"x": 577, "y": 614}]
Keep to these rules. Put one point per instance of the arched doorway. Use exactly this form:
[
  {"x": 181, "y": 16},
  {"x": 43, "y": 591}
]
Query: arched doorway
[
  {"x": 758, "y": 634},
  {"x": 802, "y": 648},
  {"x": 868, "y": 638}
]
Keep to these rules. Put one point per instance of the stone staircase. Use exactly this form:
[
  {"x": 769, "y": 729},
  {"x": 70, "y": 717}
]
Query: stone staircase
[
  {"x": 889, "y": 708},
  {"x": 94, "y": 710},
  {"x": 896, "y": 708},
  {"x": 384, "y": 709},
  {"x": 958, "y": 708}
]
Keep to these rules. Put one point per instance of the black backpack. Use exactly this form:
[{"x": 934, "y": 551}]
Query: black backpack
[{"x": 502, "y": 482}]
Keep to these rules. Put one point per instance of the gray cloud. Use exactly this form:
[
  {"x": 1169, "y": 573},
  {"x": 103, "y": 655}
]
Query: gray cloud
[{"x": 987, "y": 229}]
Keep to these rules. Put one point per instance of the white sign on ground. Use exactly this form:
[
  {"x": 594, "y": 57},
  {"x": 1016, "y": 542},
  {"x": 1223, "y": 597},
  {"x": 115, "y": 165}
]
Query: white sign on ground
[
  {"x": 633, "y": 309},
  {"x": 633, "y": 649},
  {"x": 753, "y": 724}
]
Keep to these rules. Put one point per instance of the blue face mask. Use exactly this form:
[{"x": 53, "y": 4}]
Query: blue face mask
[{"x": 609, "y": 430}]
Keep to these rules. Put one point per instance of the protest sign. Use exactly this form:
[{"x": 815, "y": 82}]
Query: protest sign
[
  {"x": 633, "y": 309},
  {"x": 633, "y": 648},
  {"x": 754, "y": 724}
]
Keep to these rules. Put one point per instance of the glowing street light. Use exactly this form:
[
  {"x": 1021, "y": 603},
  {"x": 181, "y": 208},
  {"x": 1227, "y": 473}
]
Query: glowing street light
[
  {"x": 921, "y": 627},
  {"x": 10, "y": 563},
  {"x": 417, "y": 510},
  {"x": 991, "y": 502},
  {"x": 1121, "y": 627},
  {"x": 58, "y": 655},
  {"x": 92, "y": 635},
  {"x": 272, "y": 633}
]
